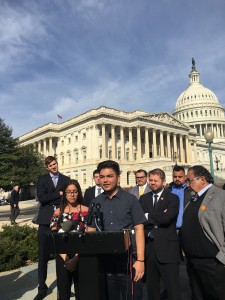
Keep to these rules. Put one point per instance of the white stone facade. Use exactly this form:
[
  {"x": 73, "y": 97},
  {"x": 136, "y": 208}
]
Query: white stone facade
[
  {"x": 134, "y": 139},
  {"x": 137, "y": 139}
]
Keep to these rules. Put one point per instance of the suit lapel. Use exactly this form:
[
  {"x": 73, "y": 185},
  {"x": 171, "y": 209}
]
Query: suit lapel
[
  {"x": 49, "y": 178},
  {"x": 205, "y": 203},
  {"x": 161, "y": 200}
]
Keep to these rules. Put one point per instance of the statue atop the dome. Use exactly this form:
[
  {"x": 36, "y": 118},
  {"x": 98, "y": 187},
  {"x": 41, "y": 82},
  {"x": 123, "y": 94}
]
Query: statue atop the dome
[{"x": 193, "y": 64}]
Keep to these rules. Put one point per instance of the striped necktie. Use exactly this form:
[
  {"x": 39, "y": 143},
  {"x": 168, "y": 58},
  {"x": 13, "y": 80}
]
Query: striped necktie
[{"x": 99, "y": 191}]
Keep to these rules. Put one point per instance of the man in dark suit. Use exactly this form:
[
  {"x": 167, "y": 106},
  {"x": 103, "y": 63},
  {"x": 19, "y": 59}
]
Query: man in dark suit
[
  {"x": 93, "y": 191},
  {"x": 142, "y": 186},
  {"x": 49, "y": 192},
  {"x": 162, "y": 251},
  {"x": 202, "y": 235},
  {"x": 14, "y": 204}
]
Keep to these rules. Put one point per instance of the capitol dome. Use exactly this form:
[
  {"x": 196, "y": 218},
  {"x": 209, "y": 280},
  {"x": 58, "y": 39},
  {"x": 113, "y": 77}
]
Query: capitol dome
[{"x": 199, "y": 107}]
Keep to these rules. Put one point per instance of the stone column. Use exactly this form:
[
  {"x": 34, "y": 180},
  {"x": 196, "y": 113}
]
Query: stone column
[
  {"x": 39, "y": 146},
  {"x": 44, "y": 148},
  {"x": 139, "y": 143},
  {"x": 200, "y": 130},
  {"x": 162, "y": 154},
  {"x": 187, "y": 150},
  {"x": 168, "y": 145},
  {"x": 50, "y": 146},
  {"x": 113, "y": 142},
  {"x": 195, "y": 152},
  {"x": 122, "y": 143},
  {"x": 103, "y": 142},
  {"x": 130, "y": 144},
  {"x": 146, "y": 144},
  {"x": 154, "y": 143},
  {"x": 217, "y": 131},
  {"x": 175, "y": 146},
  {"x": 182, "y": 157}
]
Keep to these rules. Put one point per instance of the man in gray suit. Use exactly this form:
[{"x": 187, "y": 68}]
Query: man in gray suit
[
  {"x": 142, "y": 186},
  {"x": 202, "y": 236}
]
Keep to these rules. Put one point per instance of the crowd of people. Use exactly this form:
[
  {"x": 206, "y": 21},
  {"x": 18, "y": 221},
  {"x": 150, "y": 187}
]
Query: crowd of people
[{"x": 167, "y": 223}]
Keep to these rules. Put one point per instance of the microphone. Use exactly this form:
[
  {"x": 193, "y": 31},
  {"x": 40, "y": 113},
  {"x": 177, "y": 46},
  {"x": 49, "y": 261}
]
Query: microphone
[
  {"x": 98, "y": 216},
  {"x": 90, "y": 214},
  {"x": 67, "y": 226}
]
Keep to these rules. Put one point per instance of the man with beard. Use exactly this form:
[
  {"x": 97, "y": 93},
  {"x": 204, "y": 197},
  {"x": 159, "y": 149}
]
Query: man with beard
[
  {"x": 161, "y": 207},
  {"x": 179, "y": 188}
]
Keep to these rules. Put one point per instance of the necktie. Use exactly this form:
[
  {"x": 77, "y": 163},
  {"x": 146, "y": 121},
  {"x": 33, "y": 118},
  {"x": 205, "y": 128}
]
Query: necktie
[
  {"x": 195, "y": 197},
  {"x": 99, "y": 191},
  {"x": 141, "y": 191},
  {"x": 155, "y": 200},
  {"x": 54, "y": 180}
]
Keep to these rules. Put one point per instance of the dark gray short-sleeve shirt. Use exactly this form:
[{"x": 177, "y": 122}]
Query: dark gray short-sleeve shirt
[{"x": 123, "y": 211}]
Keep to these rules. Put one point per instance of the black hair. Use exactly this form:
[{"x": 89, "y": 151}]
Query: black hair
[
  {"x": 95, "y": 172},
  {"x": 199, "y": 171},
  {"x": 141, "y": 170},
  {"x": 64, "y": 201},
  {"x": 178, "y": 168},
  {"x": 109, "y": 164}
]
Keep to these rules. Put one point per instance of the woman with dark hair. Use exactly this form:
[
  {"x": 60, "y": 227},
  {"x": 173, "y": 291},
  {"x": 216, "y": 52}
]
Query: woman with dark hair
[{"x": 72, "y": 210}]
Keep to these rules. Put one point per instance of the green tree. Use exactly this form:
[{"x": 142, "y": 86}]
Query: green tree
[
  {"x": 20, "y": 165},
  {"x": 29, "y": 165},
  {"x": 8, "y": 146}
]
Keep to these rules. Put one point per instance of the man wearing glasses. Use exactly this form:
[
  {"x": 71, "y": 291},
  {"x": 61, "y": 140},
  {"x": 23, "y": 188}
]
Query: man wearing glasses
[
  {"x": 142, "y": 186},
  {"x": 202, "y": 236}
]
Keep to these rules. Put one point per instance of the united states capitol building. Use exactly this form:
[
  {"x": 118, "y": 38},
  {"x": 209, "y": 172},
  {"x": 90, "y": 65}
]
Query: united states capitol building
[{"x": 138, "y": 139}]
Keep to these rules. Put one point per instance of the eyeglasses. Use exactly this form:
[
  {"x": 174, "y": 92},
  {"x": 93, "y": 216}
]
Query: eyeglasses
[
  {"x": 141, "y": 177},
  {"x": 71, "y": 192},
  {"x": 188, "y": 180}
]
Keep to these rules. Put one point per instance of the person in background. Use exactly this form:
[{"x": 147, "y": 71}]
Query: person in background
[
  {"x": 161, "y": 207},
  {"x": 202, "y": 236},
  {"x": 93, "y": 191},
  {"x": 121, "y": 210},
  {"x": 178, "y": 187},
  {"x": 142, "y": 186},
  {"x": 49, "y": 192},
  {"x": 14, "y": 204},
  {"x": 70, "y": 209}
]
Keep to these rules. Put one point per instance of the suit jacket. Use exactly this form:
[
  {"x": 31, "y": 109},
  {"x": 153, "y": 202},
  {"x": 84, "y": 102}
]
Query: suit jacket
[
  {"x": 89, "y": 195},
  {"x": 14, "y": 198},
  {"x": 212, "y": 219},
  {"x": 166, "y": 241},
  {"x": 48, "y": 196},
  {"x": 135, "y": 190}
]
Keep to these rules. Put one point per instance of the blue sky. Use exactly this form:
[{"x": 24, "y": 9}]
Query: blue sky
[{"x": 68, "y": 56}]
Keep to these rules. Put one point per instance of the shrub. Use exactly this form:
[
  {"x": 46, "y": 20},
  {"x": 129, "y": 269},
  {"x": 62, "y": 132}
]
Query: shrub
[{"x": 18, "y": 246}]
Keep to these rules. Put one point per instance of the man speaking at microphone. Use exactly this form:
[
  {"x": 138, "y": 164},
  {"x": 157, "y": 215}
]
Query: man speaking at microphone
[{"x": 120, "y": 210}]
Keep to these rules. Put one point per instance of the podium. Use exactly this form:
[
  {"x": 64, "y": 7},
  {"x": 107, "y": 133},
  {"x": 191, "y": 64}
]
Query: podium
[{"x": 90, "y": 246}]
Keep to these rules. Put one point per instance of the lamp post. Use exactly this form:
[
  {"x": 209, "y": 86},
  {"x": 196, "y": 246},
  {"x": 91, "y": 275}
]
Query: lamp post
[{"x": 209, "y": 135}]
